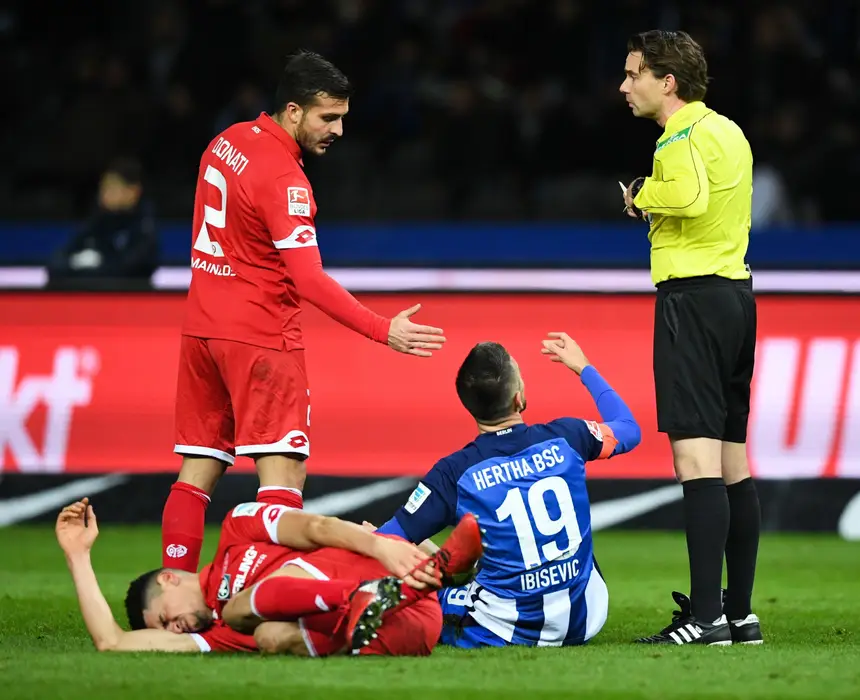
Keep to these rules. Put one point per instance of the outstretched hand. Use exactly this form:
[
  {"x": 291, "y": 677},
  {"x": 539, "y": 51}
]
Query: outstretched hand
[
  {"x": 411, "y": 338},
  {"x": 77, "y": 528}
]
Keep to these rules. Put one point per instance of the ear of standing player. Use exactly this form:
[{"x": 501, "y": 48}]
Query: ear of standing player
[
  {"x": 242, "y": 387},
  {"x": 698, "y": 202}
]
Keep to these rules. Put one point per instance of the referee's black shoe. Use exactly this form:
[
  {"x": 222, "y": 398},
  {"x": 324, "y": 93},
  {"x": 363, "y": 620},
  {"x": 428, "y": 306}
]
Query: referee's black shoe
[
  {"x": 746, "y": 631},
  {"x": 686, "y": 629}
]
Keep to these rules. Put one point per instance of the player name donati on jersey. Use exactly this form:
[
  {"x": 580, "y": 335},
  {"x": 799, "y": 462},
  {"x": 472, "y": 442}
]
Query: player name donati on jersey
[
  {"x": 518, "y": 467},
  {"x": 232, "y": 156}
]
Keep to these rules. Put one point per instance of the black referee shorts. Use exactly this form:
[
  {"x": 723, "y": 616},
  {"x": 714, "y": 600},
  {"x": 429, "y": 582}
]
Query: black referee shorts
[{"x": 704, "y": 352}]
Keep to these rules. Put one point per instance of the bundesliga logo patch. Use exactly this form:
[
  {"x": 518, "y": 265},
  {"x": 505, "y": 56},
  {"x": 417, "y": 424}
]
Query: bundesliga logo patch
[
  {"x": 299, "y": 202},
  {"x": 247, "y": 509},
  {"x": 416, "y": 500}
]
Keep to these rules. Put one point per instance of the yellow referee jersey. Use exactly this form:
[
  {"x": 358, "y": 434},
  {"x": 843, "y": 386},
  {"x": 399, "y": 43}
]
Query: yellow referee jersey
[{"x": 699, "y": 197}]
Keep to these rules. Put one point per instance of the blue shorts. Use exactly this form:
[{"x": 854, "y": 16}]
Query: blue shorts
[
  {"x": 473, "y": 617},
  {"x": 458, "y": 628}
]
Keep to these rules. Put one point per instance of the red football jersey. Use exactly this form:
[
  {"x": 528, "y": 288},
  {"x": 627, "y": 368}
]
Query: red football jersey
[
  {"x": 253, "y": 201},
  {"x": 247, "y": 553}
]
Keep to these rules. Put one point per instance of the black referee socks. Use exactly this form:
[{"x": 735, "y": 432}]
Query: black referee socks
[
  {"x": 742, "y": 547},
  {"x": 706, "y": 511}
]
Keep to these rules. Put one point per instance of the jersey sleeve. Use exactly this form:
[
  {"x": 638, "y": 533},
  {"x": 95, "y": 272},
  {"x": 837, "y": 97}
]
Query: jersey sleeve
[
  {"x": 592, "y": 440},
  {"x": 253, "y": 522},
  {"x": 682, "y": 189},
  {"x": 286, "y": 205},
  {"x": 432, "y": 505},
  {"x": 221, "y": 638}
]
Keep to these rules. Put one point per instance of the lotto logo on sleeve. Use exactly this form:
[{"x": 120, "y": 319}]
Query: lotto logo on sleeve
[
  {"x": 299, "y": 202},
  {"x": 271, "y": 516},
  {"x": 303, "y": 236},
  {"x": 416, "y": 500}
]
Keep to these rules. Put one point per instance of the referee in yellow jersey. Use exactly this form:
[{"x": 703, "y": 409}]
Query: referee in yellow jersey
[{"x": 698, "y": 201}]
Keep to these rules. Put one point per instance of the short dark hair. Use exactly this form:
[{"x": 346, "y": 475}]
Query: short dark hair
[
  {"x": 140, "y": 593},
  {"x": 675, "y": 53},
  {"x": 307, "y": 75},
  {"x": 486, "y": 382},
  {"x": 129, "y": 170}
]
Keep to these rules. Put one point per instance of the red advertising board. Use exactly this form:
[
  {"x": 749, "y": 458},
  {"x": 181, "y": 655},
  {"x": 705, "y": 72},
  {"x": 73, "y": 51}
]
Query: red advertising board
[{"x": 87, "y": 382}]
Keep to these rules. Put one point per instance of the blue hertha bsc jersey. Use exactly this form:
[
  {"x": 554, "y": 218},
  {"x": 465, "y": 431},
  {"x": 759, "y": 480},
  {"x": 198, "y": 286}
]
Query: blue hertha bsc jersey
[{"x": 537, "y": 583}]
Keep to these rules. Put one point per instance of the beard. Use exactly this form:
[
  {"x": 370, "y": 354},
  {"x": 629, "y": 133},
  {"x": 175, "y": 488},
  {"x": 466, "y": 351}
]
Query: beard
[
  {"x": 311, "y": 144},
  {"x": 202, "y": 620}
]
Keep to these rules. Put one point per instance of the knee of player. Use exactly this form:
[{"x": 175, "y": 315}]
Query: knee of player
[
  {"x": 237, "y": 613},
  {"x": 280, "y": 638}
]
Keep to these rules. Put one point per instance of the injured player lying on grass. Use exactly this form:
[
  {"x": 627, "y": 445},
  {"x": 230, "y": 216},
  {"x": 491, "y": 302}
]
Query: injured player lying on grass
[{"x": 281, "y": 581}]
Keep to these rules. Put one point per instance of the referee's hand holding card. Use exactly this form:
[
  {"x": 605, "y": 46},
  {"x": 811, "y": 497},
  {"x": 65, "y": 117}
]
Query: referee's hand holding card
[{"x": 630, "y": 193}]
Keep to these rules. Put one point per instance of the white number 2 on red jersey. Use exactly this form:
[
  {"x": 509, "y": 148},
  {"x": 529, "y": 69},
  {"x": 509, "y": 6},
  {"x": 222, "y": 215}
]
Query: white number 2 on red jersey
[{"x": 216, "y": 218}]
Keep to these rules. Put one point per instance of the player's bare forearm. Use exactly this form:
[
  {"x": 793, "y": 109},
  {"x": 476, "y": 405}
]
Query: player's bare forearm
[
  {"x": 98, "y": 617},
  {"x": 106, "y": 634},
  {"x": 156, "y": 640},
  {"x": 333, "y": 532},
  {"x": 300, "y": 530}
]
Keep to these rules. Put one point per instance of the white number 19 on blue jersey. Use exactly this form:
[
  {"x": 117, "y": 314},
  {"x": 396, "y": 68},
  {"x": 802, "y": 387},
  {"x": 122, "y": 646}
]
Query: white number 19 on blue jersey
[{"x": 514, "y": 507}]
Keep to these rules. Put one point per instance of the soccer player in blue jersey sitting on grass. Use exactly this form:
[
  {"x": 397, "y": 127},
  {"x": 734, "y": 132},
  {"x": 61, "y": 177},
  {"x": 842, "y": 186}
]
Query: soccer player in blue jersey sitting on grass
[{"x": 538, "y": 583}]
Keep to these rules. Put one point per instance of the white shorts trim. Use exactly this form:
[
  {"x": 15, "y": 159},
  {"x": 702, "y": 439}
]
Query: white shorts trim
[
  {"x": 196, "y": 451},
  {"x": 202, "y": 643},
  {"x": 286, "y": 445},
  {"x": 310, "y": 568},
  {"x": 264, "y": 489},
  {"x": 307, "y": 637},
  {"x": 596, "y": 604}
]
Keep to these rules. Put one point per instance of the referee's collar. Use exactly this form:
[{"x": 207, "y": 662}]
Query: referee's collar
[
  {"x": 266, "y": 123},
  {"x": 689, "y": 113}
]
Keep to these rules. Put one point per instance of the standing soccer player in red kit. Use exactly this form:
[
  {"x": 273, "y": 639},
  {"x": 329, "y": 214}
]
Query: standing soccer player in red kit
[{"x": 242, "y": 386}]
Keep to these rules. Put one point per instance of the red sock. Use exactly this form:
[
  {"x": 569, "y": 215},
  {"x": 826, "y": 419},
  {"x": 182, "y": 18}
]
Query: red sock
[
  {"x": 286, "y": 598},
  {"x": 182, "y": 526},
  {"x": 280, "y": 495}
]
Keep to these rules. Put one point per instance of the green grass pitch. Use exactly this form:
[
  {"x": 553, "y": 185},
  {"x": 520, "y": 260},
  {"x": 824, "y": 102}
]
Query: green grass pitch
[{"x": 808, "y": 596}]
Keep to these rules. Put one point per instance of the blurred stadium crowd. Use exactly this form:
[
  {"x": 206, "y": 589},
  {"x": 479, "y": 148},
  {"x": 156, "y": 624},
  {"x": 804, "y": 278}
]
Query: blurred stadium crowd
[{"x": 464, "y": 109}]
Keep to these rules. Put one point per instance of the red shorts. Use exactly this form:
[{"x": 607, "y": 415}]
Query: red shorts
[
  {"x": 238, "y": 399},
  {"x": 406, "y": 631}
]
